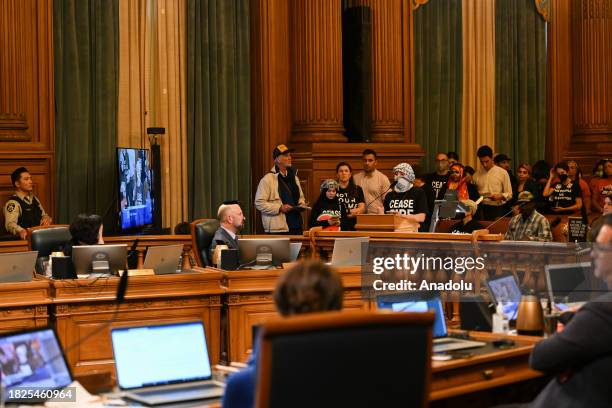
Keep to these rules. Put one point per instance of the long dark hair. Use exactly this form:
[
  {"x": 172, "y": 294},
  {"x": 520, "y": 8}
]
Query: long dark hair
[{"x": 352, "y": 187}]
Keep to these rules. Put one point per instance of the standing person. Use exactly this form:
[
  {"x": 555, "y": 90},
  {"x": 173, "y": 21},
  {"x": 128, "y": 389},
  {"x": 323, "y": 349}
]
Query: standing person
[
  {"x": 405, "y": 199},
  {"x": 350, "y": 194},
  {"x": 564, "y": 196},
  {"x": 279, "y": 194},
  {"x": 493, "y": 184},
  {"x": 438, "y": 178},
  {"x": 526, "y": 181},
  {"x": 457, "y": 181},
  {"x": 328, "y": 212},
  {"x": 373, "y": 183},
  {"x": 503, "y": 161},
  {"x": 575, "y": 174},
  {"x": 602, "y": 186},
  {"x": 469, "y": 174},
  {"x": 23, "y": 210},
  {"x": 453, "y": 157}
]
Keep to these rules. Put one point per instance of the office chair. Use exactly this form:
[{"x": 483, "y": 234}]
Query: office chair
[
  {"x": 48, "y": 239},
  {"x": 202, "y": 232},
  {"x": 351, "y": 359}
]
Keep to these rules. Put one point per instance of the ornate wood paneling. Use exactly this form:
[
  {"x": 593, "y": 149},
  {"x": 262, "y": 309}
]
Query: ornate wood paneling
[
  {"x": 391, "y": 69},
  {"x": 26, "y": 94},
  {"x": 315, "y": 32}
]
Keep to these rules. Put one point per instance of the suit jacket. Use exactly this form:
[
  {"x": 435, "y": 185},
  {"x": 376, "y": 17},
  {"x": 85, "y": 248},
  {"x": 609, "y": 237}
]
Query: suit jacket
[
  {"x": 222, "y": 235},
  {"x": 580, "y": 357}
]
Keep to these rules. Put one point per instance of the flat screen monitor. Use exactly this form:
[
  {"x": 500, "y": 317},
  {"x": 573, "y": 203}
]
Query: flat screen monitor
[
  {"x": 417, "y": 302},
  {"x": 263, "y": 252},
  {"x": 32, "y": 359},
  {"x": 135, "y": 189},
  {"x": 99, "y": 259}
]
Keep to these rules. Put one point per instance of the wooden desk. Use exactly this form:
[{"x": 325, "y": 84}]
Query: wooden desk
[
  {"x": 485, "y": 369},
  {"x": 83, "y": 306},
  {"x": 145, "y": 241},
  {"x": 23, "y": 305},
  {"x": 249, "y": 302}
]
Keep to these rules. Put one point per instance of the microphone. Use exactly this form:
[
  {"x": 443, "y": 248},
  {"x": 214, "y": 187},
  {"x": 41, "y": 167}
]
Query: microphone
[
  {"x": 381, "y": 194},
  {"x": 504, "y": 216}
]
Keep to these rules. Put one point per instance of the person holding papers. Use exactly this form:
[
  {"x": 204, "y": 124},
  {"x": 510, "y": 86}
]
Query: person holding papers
[{"x": 328, "y": 212}]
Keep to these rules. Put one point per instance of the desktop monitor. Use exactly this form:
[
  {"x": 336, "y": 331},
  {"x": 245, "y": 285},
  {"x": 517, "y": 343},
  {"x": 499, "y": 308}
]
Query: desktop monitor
[
  {"x": 572, "y": 282},
  {"x": 99, "y": 259},
  {"x": 32, "y": 359},
  {"x": 135, "y": 189},
  {"x": 263, "y": 252}
]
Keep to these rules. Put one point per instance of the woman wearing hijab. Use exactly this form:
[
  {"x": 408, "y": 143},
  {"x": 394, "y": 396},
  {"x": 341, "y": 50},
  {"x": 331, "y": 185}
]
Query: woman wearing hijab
[
  {"x": 458, "y": 181},
  {"x": 405, "y": 198},
  {"x": 328, "y": 212}
]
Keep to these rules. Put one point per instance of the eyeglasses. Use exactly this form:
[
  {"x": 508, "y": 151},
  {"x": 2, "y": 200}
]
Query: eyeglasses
[{"x": 454, "y": 172}]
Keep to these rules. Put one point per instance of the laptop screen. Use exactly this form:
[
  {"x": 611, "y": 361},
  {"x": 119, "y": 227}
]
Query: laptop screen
[
  {"x": 157, "y": 355},
  {"x": 32, "y": 359},
  {"x": 417, "y": 302},
  {"x": 505, "y": 290},
  {"x": 569, "y": 281}
]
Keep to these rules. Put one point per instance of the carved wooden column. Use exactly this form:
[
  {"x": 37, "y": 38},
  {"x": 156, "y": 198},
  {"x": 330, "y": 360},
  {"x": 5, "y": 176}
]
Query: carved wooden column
[
  {"x": 391, "y": 74},
  {"x": 316, "y": 70}
]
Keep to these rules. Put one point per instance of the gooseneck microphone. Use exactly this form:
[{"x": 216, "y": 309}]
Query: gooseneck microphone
[{"x": 381, "y": 194}]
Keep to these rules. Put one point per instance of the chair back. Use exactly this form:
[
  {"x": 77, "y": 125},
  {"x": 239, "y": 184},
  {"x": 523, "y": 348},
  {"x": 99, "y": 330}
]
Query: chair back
[
  {"x": 352, "y": 359},
  {"x": 48, "y": 239},
  {"x": 202, "y": 233}
]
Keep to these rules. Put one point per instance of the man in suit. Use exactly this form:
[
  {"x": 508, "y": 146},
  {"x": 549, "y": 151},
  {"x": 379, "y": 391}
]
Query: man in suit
[
  {"x": 232, "y": 220},
  {"x": 580, "y": 356}
]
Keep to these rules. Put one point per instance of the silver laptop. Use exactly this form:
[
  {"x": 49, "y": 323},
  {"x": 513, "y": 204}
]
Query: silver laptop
[
  {"x": 164, "y": 364},
  {"x": 163, "y": 259},
  {"x": 569, "y": 285},
  {"x": 421, "y": 302},
  {"x": 295, "y": 250},
  {"x": 348, "y": 251},
  {"x": 17, "y": 266}
]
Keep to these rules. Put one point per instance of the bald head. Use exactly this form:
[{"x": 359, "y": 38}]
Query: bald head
[{"x": 231, "y": 217}]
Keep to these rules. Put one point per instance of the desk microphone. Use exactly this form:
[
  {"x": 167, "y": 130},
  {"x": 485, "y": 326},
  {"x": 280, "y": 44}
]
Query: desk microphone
[
  {"x": 504, "y": 216},
  {"x": 381, "y": 194}
]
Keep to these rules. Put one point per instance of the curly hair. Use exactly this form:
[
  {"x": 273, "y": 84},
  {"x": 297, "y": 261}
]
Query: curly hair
[
  {"x": 308, "y": 287},
  {"x": 85, "y": 229}
]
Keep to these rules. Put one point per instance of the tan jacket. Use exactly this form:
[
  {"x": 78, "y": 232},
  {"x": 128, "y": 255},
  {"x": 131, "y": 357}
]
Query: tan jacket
[{"x": 268, "y": 202}]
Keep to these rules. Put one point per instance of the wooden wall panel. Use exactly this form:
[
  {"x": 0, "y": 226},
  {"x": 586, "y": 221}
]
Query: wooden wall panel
[{"x": 26, "y": 95}]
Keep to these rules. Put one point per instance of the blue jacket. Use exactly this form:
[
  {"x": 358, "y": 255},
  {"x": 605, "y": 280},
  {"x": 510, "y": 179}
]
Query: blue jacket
[{"x": 240, "y": 387}]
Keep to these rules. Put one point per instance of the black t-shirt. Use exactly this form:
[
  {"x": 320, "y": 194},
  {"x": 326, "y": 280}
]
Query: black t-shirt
[
  {"x": 471, "y": 226},
  {"x": 412, "y": 201},
  {"x": 436, "y": 182},
  {"x": 326, "y": 206},
  {"x": 351, "y": 198},
  {"x": 564, "y": 195}
]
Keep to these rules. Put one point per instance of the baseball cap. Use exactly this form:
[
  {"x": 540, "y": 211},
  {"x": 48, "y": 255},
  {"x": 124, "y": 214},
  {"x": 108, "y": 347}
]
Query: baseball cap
[
  {"x": 281, "y": 149},
  {"x": 525, "y": 197},
  {"x": 500, "y": 158}
]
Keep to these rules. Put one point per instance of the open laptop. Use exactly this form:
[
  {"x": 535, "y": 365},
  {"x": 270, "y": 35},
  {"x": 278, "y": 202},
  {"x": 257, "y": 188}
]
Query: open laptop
[
  {"x": 505, "y": 290},
  {"x": 32, "y": 359},
  {"x": 17, "y": 266},
  {"x": 423, "y": 302},
  {"x": 164, "y": 364},
  {"x": 569, "y": 285},
  {"x": 349, "y": 251},
  {"x": 163, "y": 259}
]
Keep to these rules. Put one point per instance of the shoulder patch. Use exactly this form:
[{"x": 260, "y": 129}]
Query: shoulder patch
[{"x": 10, "y": 207}]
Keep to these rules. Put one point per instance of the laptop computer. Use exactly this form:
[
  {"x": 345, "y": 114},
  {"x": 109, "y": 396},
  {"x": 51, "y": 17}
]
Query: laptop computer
[
  {"x": 164, "y": 364},
  {"x": 163, "y": 259},
  {"x": 423, "y": 302},
  {"x": 505, "y": 290},
  {"x": 348, "y": 251},
  {"x": 17, "y": 266},
  {"x": 294, "y": 248},
  {"x": 32, "y": 359},
  {"x": 569, "y": 285}
]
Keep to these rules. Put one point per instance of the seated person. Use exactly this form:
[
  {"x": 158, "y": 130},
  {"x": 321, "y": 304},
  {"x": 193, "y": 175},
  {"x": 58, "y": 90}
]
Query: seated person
[
  {"x": 457, "y": 181},
  {"x": 564, "y": 195},
  {"x": 308, "y": 287},
  {"x": 328, "y": 212},
  {"x": 406, "y": 199},
  {"x": 23, "y": 210},
  {"x": 232, "y": 221},
  {"x": 580, "y": 356},
  {"x": 468, "y": 224},
  {"x": 85, "y": 230},
  {"x": 528, "y": 224}
]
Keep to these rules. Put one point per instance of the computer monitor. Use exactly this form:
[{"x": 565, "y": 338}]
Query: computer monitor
[
  {"x": 156, "y": 355},
  {"x": 505, "y": 291},
  {"x": 262, "y": 252},
  {"x": 135, "y": 184},
  {"x": 32, "y": 359},
  {"x": 417, "y": 301},
  {"x": 99, "y": 259},
  {"x": 572, "y": 282}
]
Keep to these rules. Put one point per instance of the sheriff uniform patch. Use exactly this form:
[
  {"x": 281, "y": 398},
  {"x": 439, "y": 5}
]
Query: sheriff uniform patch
[{"x": 10, "y": 207}]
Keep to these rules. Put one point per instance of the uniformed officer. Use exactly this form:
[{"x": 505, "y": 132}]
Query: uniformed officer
[{"x": 23, "y": 210}]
